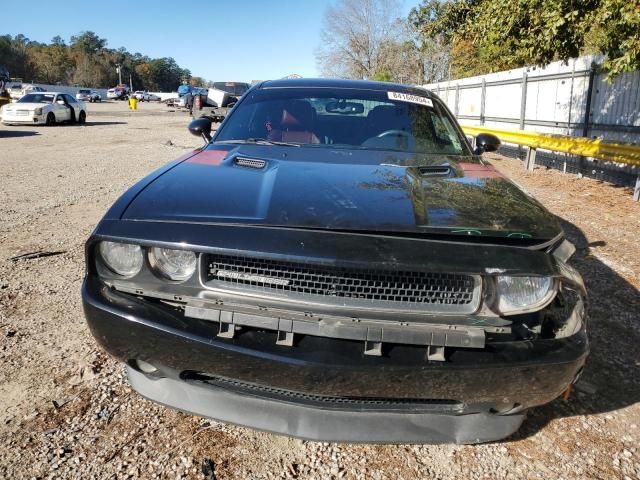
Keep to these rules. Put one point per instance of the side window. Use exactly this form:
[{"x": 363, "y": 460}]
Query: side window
[
  {"x": 69, "y": 98},
  {"x": 445, "y": 132}
]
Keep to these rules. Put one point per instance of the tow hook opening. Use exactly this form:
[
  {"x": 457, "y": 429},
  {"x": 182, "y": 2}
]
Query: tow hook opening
[{"x": 147, "y": 368}]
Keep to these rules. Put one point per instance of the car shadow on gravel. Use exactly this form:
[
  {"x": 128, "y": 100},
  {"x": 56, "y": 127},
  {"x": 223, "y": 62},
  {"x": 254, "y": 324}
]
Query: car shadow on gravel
[
  {"x": 17, "y": 133},
  {"x": 96, "y": 124},
  {"x": 611, "y": 377}
]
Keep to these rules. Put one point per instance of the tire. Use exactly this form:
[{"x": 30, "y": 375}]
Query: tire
[
  {"x": 82, "y": 118},
  {"x": 51, "y": 119}
]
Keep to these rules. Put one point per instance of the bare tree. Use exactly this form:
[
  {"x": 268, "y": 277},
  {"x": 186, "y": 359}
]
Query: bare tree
[
  {"x": 402, "y": 59},
  {"x": 436, "y": 54},
  {"x": 355, "y": 34}
]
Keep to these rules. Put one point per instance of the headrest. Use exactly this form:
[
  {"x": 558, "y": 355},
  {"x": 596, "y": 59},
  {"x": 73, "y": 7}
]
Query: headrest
[
  {"x": 297, "y": 113},
  {"x": 383, "y": 111}
]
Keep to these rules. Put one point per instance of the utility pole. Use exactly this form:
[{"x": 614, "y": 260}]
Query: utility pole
[
  {"x": 119, "y": 70},
  {"x": 130, "y": 83}
]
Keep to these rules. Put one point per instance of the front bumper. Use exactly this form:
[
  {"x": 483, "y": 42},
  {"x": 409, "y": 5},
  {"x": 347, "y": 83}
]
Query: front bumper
[
  {"x": 23, "y": 119},
  {"x": 314, "y": 423},
  {"x": 326, "y": 389}
]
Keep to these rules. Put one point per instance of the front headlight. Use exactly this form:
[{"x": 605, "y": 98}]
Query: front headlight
[
  {"x": 38, "y": 111},
  {"x": 522, "y": 294},
  {"x": 175, "y": 265},
  {"x": 122, "y": 258}
]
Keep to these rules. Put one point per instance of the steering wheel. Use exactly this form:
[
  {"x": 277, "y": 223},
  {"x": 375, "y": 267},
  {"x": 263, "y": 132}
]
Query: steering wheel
[
  {"x": 397, "y": 133},
  {"x": 394, "y": 138}
]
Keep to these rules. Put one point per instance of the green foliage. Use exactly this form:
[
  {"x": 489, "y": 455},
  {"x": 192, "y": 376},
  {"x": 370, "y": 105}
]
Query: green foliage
[
  {"x": 619, "y": 21},
  {"x": 88, "y": 42},
  {"x": 382, "y": 76},
  {"x": 493, "y": 35},
  {"x": 86, "y": 61}
]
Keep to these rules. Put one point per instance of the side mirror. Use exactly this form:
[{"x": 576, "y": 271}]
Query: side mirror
[
  {"x": 60, "y": 102},
  {"x": 486, "y": 142},
  {"x": 201, "y": 127}
]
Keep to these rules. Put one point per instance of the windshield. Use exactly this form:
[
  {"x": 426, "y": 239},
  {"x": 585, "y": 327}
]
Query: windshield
[
  {"x": 84, "y": 91},
  {"x": 346, "y": 118},
  {"x": 234, "y": 88},
  {"x": 37, "y": 98}
]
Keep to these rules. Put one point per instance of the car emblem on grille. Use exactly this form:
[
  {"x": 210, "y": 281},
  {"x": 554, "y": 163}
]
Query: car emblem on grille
[{"x": 248, "y": 277}]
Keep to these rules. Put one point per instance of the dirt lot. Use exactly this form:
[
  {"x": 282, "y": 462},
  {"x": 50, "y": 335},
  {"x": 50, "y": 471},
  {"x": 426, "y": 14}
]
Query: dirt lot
[{"x": 66, "y": 410}]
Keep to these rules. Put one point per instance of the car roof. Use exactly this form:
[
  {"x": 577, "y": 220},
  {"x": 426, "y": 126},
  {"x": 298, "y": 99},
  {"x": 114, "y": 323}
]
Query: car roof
[{"x": 342, "y": 83}]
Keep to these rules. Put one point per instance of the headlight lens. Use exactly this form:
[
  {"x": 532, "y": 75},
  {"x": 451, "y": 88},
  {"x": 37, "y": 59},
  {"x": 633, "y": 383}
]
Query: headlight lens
[
  {"x": 173, "y": 264},
  {"x": 38, "y": 111},
  {"x": 522, "y": 294},
  {"x": 123, "y": 258}
]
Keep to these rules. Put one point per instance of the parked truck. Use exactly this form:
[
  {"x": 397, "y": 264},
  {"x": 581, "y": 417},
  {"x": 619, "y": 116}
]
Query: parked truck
[{"x": 220, "y": 99}]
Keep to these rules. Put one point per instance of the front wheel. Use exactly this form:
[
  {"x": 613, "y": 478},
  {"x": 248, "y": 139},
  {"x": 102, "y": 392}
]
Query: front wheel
[
  {"x": 51, "y": 119},
  {"x": 82, "y": 118}
]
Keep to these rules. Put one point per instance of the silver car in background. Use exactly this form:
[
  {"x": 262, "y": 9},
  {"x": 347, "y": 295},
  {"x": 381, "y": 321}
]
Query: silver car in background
[{"x": 84, "y": 95}]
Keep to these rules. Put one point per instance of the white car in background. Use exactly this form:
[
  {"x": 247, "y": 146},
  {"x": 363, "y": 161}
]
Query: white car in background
[
  {"x": 46, "y": 108},
  {"x": 143, "y": 96},
  {"x": 15, "y": 91},
  {"x": 18, "y": 91}
]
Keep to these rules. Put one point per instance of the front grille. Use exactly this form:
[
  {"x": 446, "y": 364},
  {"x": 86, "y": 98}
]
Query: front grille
[
  {"x": 361, "y": 285},
  {"x": 323, "y": 401}
]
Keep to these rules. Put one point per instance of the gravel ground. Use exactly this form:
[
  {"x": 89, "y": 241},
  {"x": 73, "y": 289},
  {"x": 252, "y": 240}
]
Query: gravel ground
[{"x": 66, "y": 410}]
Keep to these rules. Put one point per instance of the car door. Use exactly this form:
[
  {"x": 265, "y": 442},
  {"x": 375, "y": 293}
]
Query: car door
[
  {"x": 75, "y": 104},
  {"x": 60, "y": 109}
]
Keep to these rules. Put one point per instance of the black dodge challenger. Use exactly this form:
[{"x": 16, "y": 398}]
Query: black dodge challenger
[{"x": 337, "y": 263}]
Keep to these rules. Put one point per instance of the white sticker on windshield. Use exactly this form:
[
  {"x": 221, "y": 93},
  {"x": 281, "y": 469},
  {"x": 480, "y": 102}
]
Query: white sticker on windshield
[{"x": 405, "y": 97}]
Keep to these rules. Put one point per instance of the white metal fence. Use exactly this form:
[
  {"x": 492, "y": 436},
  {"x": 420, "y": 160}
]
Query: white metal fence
[
  {"x": 67, "y": 89},
  {"x": 570, "y": 99},
  {"x": 71, "y": 90}
]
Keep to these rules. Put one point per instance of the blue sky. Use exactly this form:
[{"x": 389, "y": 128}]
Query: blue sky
[{"x": 215, "y": 39}]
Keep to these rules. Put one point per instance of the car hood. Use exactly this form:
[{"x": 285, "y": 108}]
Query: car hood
[
  {"x": 28, "y": 106},
  {"x": 339, "y": 189}
]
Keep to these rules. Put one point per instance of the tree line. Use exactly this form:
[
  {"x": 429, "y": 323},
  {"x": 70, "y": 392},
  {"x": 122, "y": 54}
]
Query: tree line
[
  {"x": 451, "y": 39},
  {"x": 86, "y": 61}
]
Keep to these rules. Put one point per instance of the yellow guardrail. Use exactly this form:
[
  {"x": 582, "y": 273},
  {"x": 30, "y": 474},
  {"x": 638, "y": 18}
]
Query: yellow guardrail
[{"x": 587, "y": 147}]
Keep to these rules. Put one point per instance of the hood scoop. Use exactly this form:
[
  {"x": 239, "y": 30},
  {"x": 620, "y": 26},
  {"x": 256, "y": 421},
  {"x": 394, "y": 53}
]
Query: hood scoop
[
  {"x": 250, "y": 163},
  {"x": 435, "y": 171}
]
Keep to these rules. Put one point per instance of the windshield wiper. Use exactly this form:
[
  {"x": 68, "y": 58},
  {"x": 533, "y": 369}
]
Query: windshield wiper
[{"x": 261, "y": 141}]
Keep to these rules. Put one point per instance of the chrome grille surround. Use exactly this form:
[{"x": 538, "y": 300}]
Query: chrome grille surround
[{"x": 399, "y": 290}]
